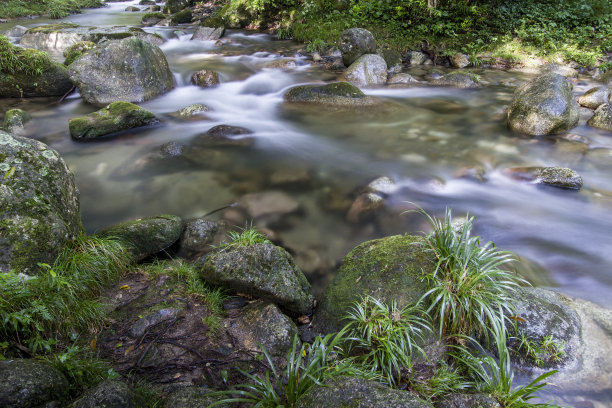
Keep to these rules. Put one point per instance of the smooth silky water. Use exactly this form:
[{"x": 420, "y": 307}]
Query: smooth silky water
[{"x": 426, "y": 139}]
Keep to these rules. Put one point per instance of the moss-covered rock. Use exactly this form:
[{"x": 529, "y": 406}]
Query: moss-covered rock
[
  {"x": 262, "y": 270},
  {"x": 543, "y": 106},
  {"x": 468, "y": 401},
  {"x": 392, "y": 58},
  {"x": 602, "y": 118},
  {"x": 389, "y": 269},
  {"x": 39, "y": 201},
  {"x": 109, "y": 394},
  {"x": 76, "y": 51},
  {"x": 367, "y": 70},
  {"x": 192, "y": 397},
  {"x": 337, "y": 93},
  {"x": 151, "y": 19},
  {"x": 349, "y": 392},
  {"x": 462, "y": 80},
  {"x": 193, "y": 110},
  {"x": 182, "y": 17},
  {"x": 174, "y": 6},
  {"x": 199, "y": 237},
  {"x": 30, "y": 383},
  {"x": 15, "y": 120},
  {"x": 129, "y": 70},
  {"x": 113, "y": 118},
  {"x": 561, "y": 177},
  {"x": 355, "y": 42},
  {"x": 147, "y": 236}
]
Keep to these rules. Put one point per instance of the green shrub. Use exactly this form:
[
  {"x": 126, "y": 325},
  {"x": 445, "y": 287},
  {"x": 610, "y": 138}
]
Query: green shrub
[
  {"x": 244, "y": 237},
  {"x": 16, "y": 60},
  {"x": 52, "y": 8}
]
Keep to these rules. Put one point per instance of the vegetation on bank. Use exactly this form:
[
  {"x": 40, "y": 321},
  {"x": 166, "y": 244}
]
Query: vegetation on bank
[
  {"x": 16, "y": 60},
  {"x": 51, "y": 8},
  {"x": 574, "y": 30}
]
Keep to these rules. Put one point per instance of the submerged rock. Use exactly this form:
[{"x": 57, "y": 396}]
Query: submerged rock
[
  {"x": 205, "y": 78},
  {"x": 354, "y": 43},
  {"x": 128, "y": 70},
  {"x": 15, "y": 120},
  {"x": 30, "y": 383},
  {"x": 337, "y": 93},
  {"x": 367, "y": 70},
  {"x": 268, "y": 207},
  {"x": 225, "y": 135},
  {"x": 109, "y": 394},
  {"x": 553, "y": 176},
  {"x": 113, "y": 118},
  {"x": 461, "y": 80},
  {"x": 542, "y": 106},
  {"x": 602, "y": 118},
  {"x": 364, "y": 207},
  {"x": 595, "y": 97},
  {"x": 39, "y": 201},
  {"x": 262, "y": 270},
  {"x": 402, "y": 79}
]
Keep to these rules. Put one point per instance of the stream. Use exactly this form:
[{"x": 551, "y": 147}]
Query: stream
[{"x": 426, "y": 145}]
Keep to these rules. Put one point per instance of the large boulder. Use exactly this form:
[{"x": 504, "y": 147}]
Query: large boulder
[
  {"x": 390, "y": 269},
  {"x": 337, "y": 94},
  {"x": 30, "y": 384},
  {"x": 129, "y": 70},
  {"x": 39, "y": 201},
  {"x": 147, "y": 236},
  {"x": 354, "y": 43},
  {"x": 367, "y": 70},
  {"x": 113, "y": 118},
  {"x": 545, "y": 105},
  {"x": 602, "y": 118},
  {"x": 109, "y": 394},
  {"x": 262, "y": 270},
  {"x": 358, "y": 393}
]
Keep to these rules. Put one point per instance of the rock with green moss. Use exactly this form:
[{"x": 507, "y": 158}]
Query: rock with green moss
[
  {"x": 174, "y": 6},
  {"x": 147, "y": 236},
  {"x": 15, "y": 120},
  {"x": 353, "y": 392},
  {"x": 602, "y": 118},
  {"x": 113, "y": 118},
  {"x": 109, "y": 394},
  {"x": 132, "y": 8},
  {"x": 393, "y": 59},
  {"x": 462, "y": 80},
  {"x": 390, "y": 269},
  {"x": 367, "y": 70},
  {"x": 355, "y": 42},
  {"x": 129, "y": 70},
  {"x": 182, "y": 17},
  {"x": 76, "y": 51},
  {"x": 337, "y": 93},
  {"x": 192, "y": 397},
  {"x": 545, "y": 105},
  {"x": 468, "y": 401},
  {"x": 39, "y": 201},
  {"x": 150, "y": 19},
  {"x": 30, "y": 383},
  {"x": 262, "y": 270},
  {"x": 561, "y": 177}
]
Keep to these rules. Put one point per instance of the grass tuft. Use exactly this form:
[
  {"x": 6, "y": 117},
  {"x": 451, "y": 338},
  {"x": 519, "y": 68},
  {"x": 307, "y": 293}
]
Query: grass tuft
[
  {"x": 244, "y": 237},
  {"x": 16, "y": 60}
]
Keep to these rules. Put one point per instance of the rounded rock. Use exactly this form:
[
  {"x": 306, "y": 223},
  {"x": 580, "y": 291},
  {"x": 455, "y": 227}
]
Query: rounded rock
[{"x": 354, "y": 43}]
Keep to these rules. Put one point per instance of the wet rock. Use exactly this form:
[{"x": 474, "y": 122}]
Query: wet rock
[
  {"x": 153, "y": 8},
  {"x": 459, "y": 60},
  {"x": 358, "y": 393},
  {"x": 553, "y": 176},
  {"x": 417, "y": 57},
  {"x": 468, "y": 401},
  {"x": 402, "y": 79},
  {"x": 30, "y": 383},
  {"x": 200, "y": 236},
  {"x": 77, "y": 50},
  {"x": 16, "y": 32},
  {"x": 338, "y": 94},
  {"x": 192, "y": 397},
  {"x": 174, "y": 6},
  {"x": 182, "y": 17},
  {"x": 140, "y": 327},
  {"x": 562, "y": 70},
  {"x": 132, "y": 8},
  {"x": 208, "y": 33},
  {"x": 225, "y": 135},
  {"x": 364, "y": 207},
  {"x": 367, "y": 70},
  {"x": 268, "y": 207},
  {"x": 150, "y": 19},
  {"x": 128, "y": 70},
  {"x": 262, "y": 270},
  {"x": 171, "y": 149},
  {"x": 15, "y": 120},
  {"x": 282, "y": 63},
  {"x": 602, "y": 118},
  {"x": 542, "y": 106},
  {"x": 147, "y": 236},
  {"x": 109, "y": 394},
  {"x": 40, "y": 204},
  {"x": 194, "y": 110},
  {"x": 354, "y": 43},
  {"x": 595, "y": 97},
  {"x": 113, "y": 118},
  {"x": 205, "y": 78},
  {"x": 434, "y": 74},
  {"x": 383, "y": 186},
  {"x": 393, "y": 59},
  {"x": 389, "y": 269},
  {"x": 291, "y": 178},
  {"x": 461, "y": 80}
]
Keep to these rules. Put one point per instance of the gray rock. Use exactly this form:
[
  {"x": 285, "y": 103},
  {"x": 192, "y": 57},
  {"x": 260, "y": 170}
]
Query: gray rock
[
  {"x": 39, "y": 201},
  {"x": 543, "y": 106},
  {"x": 195, "y": 109},
  {"x": 397, "y": 79},
  {"x": 142, "y": 324},
  {"x": 205, "y": 78},
  {"x": 16, "y": 32},
  {"x": 563, "y": 70},
  {"x": 595, "y": 97},
  {"x": 30, "y": 384},
  {"x": 208, "y": 33},
  {"x": 459, "y": 60},
  {"x": 174, "y": 6},
  {"x": 147, "y": 236},
  {"x": 132, "y": 8},
  {"x": 150, "y": 19},
  {"x": 367, "y": 70},
  {"x": 553, "y": 176},
  {"x": 52, "y": 81},
  {"x": 109, "y": 394},
  {"x": 354, "y": 43},
  {"x": 358, "y": 393},
  {"x": 113, "y": 118},
  {"x": 602, "y": 118},
  {"x": 364, "y": 207},
  {"x": 417, "y": 57},
  {"x": 76, "y": 51},
  {"x": 200, "y": 236},
  {"x": 225, "y": 135},
  {"x": 281, "y": 63},
  {"x": 128, "y": 70},
  {"x": 192, "y": 397},
  {"x": 461, "y": 80},
  {"x": 15, "y": 120},
  {"x": 389, "y": 269},
  {"x": 468, "y": 401},
  {"x": 337, "y": 94},
  {"x": 262, "y": 270}
]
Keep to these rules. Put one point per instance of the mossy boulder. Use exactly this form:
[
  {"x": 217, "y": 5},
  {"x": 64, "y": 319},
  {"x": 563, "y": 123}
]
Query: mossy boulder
[
  {"x": 76, "y": 51},
  {"x": 367, "y": 70},
  {"x": 182, "y": 17},
  {"x": 561, "y": 177},
  {"x": 39, "y": 201},
  {"x": 390, "y": 269},
  {"x": 113, "y": 118},
  {"x": 355, "y": 42},
  {"x": 602, "y": 118},
  {"x": 265, "y": 271},
  {"x": 30, "y": 383},
  {"x": 151, "y": 19},
  {"x": 174, "y": 6},
  {"x": 199, "y": 237},
  {"x": 128, "y": 70},
  {"x": 595, "y": 97},
  {"x": 545, "y": 105},
  {"x": 393, "y": 59},
  {"x": 192, "y": 397},
  {"x": 132, "y": 8},
  {"x": 15, "y": 120},
  {"x": 109, "y": 394},
  {"x": 358, "y": 393},
  {"x": 337, "y": 93},
  {"x": 147, "y": 236}
]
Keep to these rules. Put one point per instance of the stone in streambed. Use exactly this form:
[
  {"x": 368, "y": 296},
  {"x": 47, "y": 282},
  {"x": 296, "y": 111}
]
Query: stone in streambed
[
  {"x": 77, "y": 50},
  {"x": 336, "y": 94},
  {"x": 462, "y": 80},
  {"x": 205, "y": 78},
  {"x": 561, "y": 177},
  {"x": 182, "y": 17},
  {"x": 30, "y": 383},
  {"x": 113, "y": 118},
  {"x": 225, "y": 135},
  {"x": 367, "y": 70},
  {"x": 355, "y": 42},
  {"x": 109, "y": 394},
  {"x": 602, "y": 118},
  {"x": 15, "y": 120},
  {"x": 595, "y": 97},
  {"x": 200, "y": 236},
  {"x": 150, "y": 19}
]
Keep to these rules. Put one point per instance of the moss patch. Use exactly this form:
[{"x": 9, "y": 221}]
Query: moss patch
[
  {"x": 16, "y": 60},
  {"x": 113, "y": 118}
]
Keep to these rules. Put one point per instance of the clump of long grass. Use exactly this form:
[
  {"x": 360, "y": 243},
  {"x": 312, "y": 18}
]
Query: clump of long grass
[{"x": 245, "y": 236}]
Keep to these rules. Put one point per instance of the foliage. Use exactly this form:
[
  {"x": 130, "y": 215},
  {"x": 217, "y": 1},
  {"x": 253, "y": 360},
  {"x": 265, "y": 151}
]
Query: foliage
[
  {"x": 52, "y": 8},
  {"x": 16, "y": 60},
  {"x": 547, "y": 351},
  {"x": 244, "y": 237},
  {"x": 386, "y": 335},
  {"x": 445, "y": 380},
  {"x": 467, "y": 285},
  {"x": 60, "y": 301}
]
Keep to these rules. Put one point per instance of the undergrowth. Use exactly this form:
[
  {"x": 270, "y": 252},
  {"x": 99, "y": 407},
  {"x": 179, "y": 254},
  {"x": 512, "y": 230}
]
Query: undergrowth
[
  {"x": 16, "y": 60},
  {"x": 51, "y": 8},
  {"x": 244, "y": 237}
]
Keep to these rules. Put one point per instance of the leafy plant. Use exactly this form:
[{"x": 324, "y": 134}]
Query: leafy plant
[
  {"x": 16, "y": 60},
  {"x": 386, "y": 336},
  {"x": 244, "y": 237},
  {"x": 445, "y": 380}
]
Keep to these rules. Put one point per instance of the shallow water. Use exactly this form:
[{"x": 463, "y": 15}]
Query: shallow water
[{"x": 424, "y": 139}]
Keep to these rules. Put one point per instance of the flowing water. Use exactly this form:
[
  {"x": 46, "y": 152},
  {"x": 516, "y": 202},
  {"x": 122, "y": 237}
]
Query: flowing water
[{"x": 427, "y": 140}]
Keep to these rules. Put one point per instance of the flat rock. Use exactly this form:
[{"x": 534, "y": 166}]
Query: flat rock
[
  {"x": 336, "y": 94},
  {"x": 208, "y": 33},
  {"x": 113, "y": 118}
]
